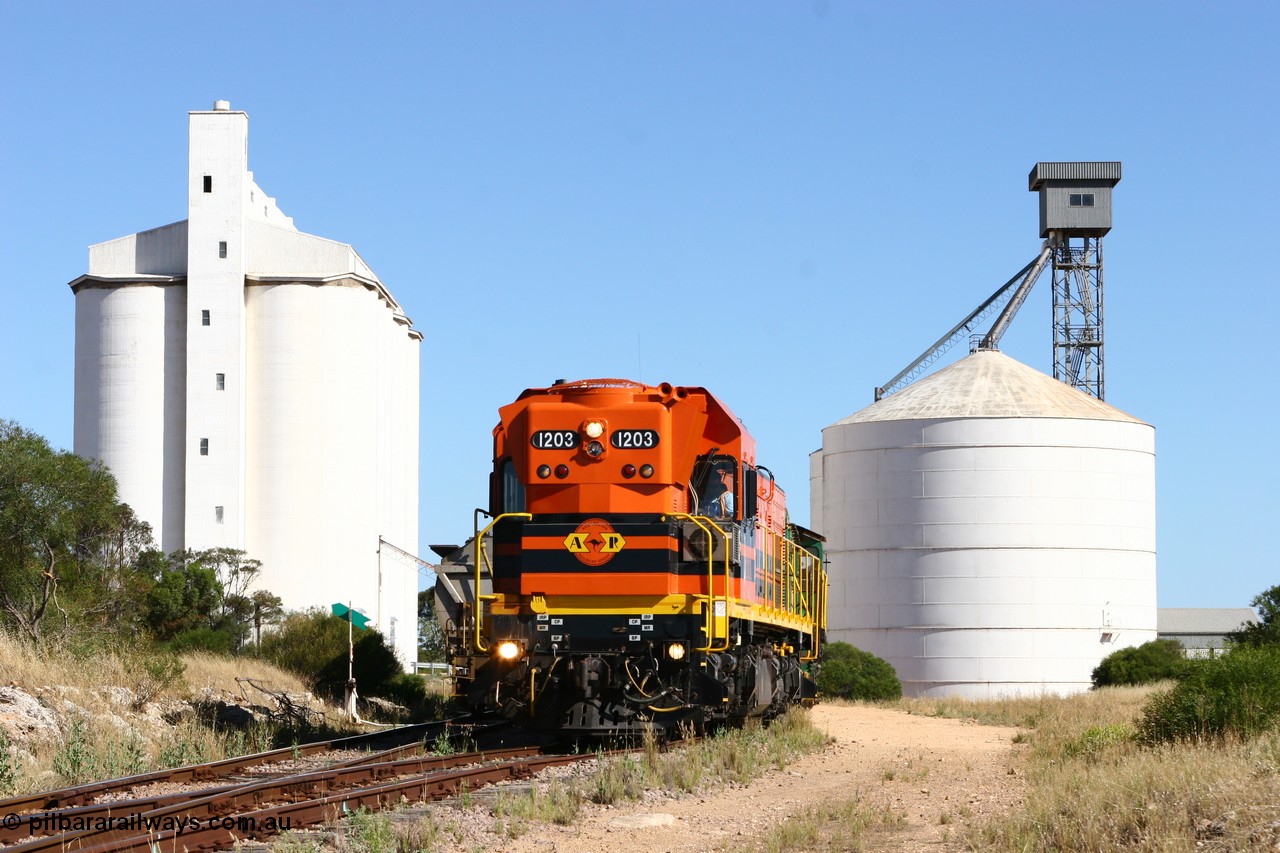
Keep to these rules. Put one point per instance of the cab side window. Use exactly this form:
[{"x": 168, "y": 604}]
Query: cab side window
[
  {"x": 510, "y": 489},
  {"x": 715, "y": 484}
]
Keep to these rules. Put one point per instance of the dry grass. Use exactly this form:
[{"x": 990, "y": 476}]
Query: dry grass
[
  {"x": 835, "y": 826},
  {"x": 214, "y": 672},
  {"x": 104, "y": 734},
  {"x": 1045, "y": 712},
  {"x": 29, "y": 667},
  {"x": 1093, "y": 787},
  {"x": 1178, "y": 798},
  {"x": 90, "y": 668},
  {"x": 734, "y": 756}
]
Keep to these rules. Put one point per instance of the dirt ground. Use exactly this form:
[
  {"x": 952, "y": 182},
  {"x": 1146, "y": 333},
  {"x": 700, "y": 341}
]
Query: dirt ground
[{"x": 939, "y": 776}]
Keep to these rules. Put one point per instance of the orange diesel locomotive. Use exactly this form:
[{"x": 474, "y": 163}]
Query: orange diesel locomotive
[{"x": 637, "y": 569}]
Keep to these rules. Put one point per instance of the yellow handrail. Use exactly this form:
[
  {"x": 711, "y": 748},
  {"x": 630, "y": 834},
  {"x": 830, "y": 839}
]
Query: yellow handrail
[
  {"x": 793, "y": 583},
  {"x": 816, "y": 603},
  {"x": 711, "y": 583},
  {"x": 479, "y": 556}
]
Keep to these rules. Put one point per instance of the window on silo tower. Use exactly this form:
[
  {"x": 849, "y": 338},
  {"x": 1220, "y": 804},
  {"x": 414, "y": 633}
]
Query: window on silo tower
[{"x": 1081, "y": 199}]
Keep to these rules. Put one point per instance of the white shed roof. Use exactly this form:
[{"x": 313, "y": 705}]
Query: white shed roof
[
  {"x": 1202, "y": 620},
  {"x": 988, "y": 384}
]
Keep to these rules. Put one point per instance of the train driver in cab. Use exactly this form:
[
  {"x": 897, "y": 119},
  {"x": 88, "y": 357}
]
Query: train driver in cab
[{"x": 720, "y": 504}]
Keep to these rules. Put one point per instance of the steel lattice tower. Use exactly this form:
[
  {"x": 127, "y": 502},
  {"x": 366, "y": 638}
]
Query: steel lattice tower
[
  {"x": 1078, "y": 357},
  {"x": 1075, "y": 214}
]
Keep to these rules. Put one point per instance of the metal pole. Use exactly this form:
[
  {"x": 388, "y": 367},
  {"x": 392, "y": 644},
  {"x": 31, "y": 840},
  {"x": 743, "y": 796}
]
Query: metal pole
[{"x": 351, "y": 662}]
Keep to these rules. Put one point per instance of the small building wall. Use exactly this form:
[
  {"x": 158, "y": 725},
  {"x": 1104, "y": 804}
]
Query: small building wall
[
  {"x": 1058, "y": 214},
  {"x": 1202, "y": 631}
]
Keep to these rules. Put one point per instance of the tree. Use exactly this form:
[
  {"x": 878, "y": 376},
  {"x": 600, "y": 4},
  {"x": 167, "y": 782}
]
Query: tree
[
  {"x": 199, "y": 599},
  {"x": 1156, "y": 660},
  {"x": 268, "y": 609},
  {"x": 235, "y": 572},
  {"x": 58, "y": 514},
  {"x": 850, "y": 673},
  {"x": 186, "y": 597},
  {"x": 1266, "y": 631},
  {"x": 115, "y": 576},
  {"x": 234, "y": 611}
]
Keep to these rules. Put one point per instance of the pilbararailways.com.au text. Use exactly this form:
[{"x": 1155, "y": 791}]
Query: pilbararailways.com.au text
[{"x": 180, "y": 824}]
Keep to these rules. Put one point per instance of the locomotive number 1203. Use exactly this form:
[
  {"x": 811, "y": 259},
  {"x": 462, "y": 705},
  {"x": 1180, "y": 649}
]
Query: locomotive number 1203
[{"x": 634, "y": 439}]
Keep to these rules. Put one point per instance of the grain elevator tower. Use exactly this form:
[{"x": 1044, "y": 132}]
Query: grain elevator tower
[
  {"x": 1075, "y": 214},
  {"x": 255, "y": 387}
]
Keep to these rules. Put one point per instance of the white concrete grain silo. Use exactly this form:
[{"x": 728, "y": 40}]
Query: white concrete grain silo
[
  {"x": 255, "y": 387},
  {"x": 991, "y": 531}
]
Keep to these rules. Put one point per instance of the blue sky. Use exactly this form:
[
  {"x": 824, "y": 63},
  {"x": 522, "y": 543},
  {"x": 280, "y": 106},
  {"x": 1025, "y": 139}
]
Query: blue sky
[{"x": 576, "y": 189}]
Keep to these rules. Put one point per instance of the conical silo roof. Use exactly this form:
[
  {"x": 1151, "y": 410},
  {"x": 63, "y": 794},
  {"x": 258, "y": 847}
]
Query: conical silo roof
[{"x": 988, "y": 384}]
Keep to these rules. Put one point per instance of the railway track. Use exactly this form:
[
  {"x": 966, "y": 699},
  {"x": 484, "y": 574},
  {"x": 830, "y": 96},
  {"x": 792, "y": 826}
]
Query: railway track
[
  {"x": 228, "y": 767},
  {"x": 210, "y": 818}
]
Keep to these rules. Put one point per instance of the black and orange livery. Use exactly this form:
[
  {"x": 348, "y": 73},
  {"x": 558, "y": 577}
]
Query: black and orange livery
[{"x": 637, "y": 569}]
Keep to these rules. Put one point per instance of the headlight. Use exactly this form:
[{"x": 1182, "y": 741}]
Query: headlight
[
  {"x": 507, "y": 650},
  {"x": 594, "y": 429},
  {"x": 675, "y": 651}
]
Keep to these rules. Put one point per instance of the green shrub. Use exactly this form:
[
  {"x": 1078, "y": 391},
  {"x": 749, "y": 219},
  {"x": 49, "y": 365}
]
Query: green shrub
[
  {"x": 202, "y": 639},
  {"x": 375, "y": 665},
  {"x": 314, "y": 646},
  {"x": 405, "y": 688},
  {"x": 1096, "y": 740},
  {"x": 1237, "y": 694},
  {"x": 8, "y": 766},
  {"x": 74, "y": 761},
  {"x": 1157, "y": 660},
  {"x": 850, "y": 673},
  {"x": 305, "y": 643},
  {"x": 410, "y": 690},
  {"x": 155, "y": 673}
]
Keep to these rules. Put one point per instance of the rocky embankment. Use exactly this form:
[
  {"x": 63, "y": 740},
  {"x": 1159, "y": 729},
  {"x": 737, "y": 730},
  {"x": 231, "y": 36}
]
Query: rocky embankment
[{"x": 40, "y": 721}]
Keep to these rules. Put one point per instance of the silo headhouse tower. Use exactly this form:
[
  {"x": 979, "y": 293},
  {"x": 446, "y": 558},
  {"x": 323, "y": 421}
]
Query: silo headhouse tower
[
  {"x": 255, "y": 387},
  {"x": 1075, "y": 214}
]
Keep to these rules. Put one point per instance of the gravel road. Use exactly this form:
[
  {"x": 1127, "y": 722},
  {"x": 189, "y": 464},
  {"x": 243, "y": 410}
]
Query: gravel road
[{"x": 940, "y": 776}]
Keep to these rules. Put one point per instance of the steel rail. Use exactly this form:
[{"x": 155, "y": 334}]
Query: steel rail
[
  {"x": 84, "y": 794},
  {"x": 219, "y": 828},
  {"x": 49, "y": 820}
]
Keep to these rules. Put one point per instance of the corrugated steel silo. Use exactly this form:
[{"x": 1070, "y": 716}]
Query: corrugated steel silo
[
  {"x": 129, "y": 391},
  {"x": 325, "y": 453},
  {"x": 991, "y": 530}
]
